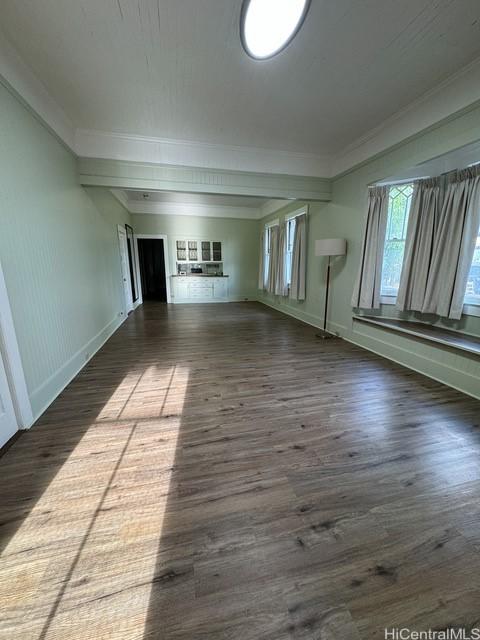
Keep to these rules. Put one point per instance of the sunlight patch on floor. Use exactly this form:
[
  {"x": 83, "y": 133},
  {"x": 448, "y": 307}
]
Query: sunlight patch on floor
[{"x": 94, "y": 533}]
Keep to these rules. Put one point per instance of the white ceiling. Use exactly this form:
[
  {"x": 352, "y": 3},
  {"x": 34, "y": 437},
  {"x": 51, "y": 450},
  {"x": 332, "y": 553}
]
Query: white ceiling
[{"x": 175, "y": 69}]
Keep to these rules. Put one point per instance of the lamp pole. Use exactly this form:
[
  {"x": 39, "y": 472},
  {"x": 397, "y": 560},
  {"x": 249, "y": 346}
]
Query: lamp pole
[{"x": 326, "y": 297}]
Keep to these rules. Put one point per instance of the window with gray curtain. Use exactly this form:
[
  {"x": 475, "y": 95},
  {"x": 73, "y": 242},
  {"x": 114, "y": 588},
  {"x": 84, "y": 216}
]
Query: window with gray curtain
[
  {"x": 261, "y": 265},
  {"x": 454, "y": 245},
  {"x": 290, "y": 235},
  {"x": 399, "y": 201},
  {"x": 273, "y": 258},
  {"x": 421, "y": 233},
  {"x": 299, "y": 259},
  {"x": 281, "y": 286},
  {"x": 366, "y": 294},
  {"x": 439, "y": 253}
]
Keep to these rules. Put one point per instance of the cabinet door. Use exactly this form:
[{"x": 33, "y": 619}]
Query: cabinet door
[
  {"x": 220, "y": 288},
  {"x": 206, "y": 251},
  {"x": 181, "y": 288},
  {"x": 181, "y": 250},
  {"x": 217, "y": 251},
  {"x": 192, "y": 251}
]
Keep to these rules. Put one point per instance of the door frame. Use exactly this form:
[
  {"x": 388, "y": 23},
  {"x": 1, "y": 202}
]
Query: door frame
[
  {"x": 122, "y": 237},
  {"x": 152, "y": 236},
  {"x": 12, "y": 361}
]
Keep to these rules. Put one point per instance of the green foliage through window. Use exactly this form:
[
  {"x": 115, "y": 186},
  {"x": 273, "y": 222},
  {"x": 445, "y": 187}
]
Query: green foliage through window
[{"x": 399, "y": 201}]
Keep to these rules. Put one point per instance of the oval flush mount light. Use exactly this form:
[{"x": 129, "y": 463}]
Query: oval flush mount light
[{"x": 268, "y": 26}]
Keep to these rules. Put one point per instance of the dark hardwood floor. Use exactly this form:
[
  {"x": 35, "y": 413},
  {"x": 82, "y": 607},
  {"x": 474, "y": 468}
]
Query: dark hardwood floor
[{"x": 216, "y": 472}]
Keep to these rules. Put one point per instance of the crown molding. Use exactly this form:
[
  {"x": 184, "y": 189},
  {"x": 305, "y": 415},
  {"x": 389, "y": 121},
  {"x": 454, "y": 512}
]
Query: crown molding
[
  {"x": 135, "y": 148},
  {"x": 457, "y": 92},
  {"x": 19, "y": 79}
]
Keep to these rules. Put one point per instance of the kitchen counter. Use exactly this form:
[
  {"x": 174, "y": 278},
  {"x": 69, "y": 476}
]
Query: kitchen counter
[{"x": 199, "y": 287}]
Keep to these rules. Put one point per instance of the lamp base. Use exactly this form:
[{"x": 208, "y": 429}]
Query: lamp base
[{"x": 325, "y": 335}]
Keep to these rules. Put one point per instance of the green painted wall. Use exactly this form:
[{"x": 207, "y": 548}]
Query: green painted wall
[
  {"x": 344, "y": 217},
  {"x": 59, "y": 253},
  {"x": 239, "y": 244}
]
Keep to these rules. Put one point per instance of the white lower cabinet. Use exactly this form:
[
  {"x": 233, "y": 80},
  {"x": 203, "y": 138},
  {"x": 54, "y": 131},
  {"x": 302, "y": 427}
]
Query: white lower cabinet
[
  {"x": 220, "y": 289},
  {"x": 199, "y": 289}
]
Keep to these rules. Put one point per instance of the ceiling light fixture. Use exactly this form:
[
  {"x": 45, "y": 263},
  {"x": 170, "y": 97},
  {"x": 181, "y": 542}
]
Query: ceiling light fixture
[{"x": 268, "y": 26}]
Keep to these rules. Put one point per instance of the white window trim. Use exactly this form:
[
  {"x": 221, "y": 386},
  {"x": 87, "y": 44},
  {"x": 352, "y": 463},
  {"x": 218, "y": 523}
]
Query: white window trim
[
  {"x": 272, "y": 223},
  {"x": 296, "y": 213},
  {"x": 471, "y": 310}
]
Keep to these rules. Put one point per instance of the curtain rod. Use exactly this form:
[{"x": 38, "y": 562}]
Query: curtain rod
[{"x": 387, "y": 183}]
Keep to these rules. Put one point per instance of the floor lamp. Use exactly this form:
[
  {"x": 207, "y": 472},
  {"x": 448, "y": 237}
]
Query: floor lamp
[{"x": 330, "y": 247}]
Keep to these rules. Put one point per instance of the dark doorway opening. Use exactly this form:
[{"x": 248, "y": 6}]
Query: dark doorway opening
[{"x": 151, "y": 257}]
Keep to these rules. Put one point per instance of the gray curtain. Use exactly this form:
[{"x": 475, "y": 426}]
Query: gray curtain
[
  {"x": 280, "y": 288},
  {"x": 421, "y": 233},
  {"x": 261, "y": 263},
  {"x": 455, "y": 245},
  {"x": 272, "y": 264},
  {"x": 366, "y": 293},
  {"x": 299, "y": 259}
]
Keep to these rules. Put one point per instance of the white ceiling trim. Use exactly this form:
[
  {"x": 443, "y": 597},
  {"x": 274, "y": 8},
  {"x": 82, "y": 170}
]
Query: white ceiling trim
[
  {"x": 189, "y": 209},
  {"x": 197, "y": 209},
  {"x": 18, "y": 76},
  {"x": 454, "y": 94},
  {"x": 134, "y": 148}
]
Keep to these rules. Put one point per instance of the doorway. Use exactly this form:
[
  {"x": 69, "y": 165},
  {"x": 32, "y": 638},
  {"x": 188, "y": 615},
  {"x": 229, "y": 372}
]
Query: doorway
[{"x": 151, "y": 258}]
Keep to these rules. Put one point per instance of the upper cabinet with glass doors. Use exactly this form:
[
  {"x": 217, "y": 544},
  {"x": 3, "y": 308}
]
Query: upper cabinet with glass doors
[{"x": 198, "y": 251}]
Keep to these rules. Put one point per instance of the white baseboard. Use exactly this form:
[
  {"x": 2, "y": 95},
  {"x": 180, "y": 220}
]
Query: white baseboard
[
  {"x": 56, "y": 383},
  {"x": 198, "y": 300},
  {"x": 212, "y": 300},
  {"x": 399, "y": 355},
  {"x": 242, "y": 298},
  {"x": 303, "y": 316},
  {"x": 442, "y": 373}
]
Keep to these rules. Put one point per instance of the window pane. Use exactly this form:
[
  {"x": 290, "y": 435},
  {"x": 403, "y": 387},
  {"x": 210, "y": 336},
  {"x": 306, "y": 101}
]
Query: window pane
[
  {"x": 399, "y": 200},
  {"x": 472, "y": 293},
  {"x": 266, "y": 254},
  {"x": 289, "y": 251}
]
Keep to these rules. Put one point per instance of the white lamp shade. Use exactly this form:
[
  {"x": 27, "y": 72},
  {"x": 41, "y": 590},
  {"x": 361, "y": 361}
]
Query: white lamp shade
[{"x": 331, "y": 247}]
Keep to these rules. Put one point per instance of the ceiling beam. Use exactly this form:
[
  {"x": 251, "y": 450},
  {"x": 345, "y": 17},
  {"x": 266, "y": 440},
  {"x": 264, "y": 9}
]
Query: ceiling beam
[{"x": 117, "y": 174}]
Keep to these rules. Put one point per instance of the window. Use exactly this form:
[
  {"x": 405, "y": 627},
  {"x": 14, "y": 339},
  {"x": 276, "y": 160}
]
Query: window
[
  {"x": 266, "y": 251},
  {"x": 399, "y": 200},
  {"x": 472, "y": 293},
  {"x": 266, "y": 248},
  {"x": 290, "y": 235}
]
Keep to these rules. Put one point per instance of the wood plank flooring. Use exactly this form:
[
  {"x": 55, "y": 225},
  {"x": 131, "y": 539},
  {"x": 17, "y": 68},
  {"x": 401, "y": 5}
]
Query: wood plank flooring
[{"x": 216, "y": 472}]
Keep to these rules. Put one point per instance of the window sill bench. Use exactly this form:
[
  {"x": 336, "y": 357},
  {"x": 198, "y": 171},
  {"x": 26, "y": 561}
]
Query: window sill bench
[{"x": 444, "y": 337}]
